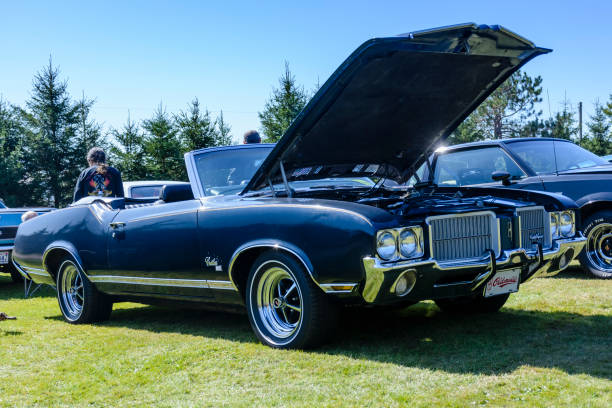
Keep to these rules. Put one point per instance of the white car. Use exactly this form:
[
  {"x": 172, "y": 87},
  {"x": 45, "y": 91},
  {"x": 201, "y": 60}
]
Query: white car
[{"x": 146, "y": 189}]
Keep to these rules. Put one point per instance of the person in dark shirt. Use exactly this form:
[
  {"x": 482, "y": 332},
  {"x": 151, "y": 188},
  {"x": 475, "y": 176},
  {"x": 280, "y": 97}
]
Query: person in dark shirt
[
  {"x": 252, "y": 136},
  {"x": 99, "y": 179}
]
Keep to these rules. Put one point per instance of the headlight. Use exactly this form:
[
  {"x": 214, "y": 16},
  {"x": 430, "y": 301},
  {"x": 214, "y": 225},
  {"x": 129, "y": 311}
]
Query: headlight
[
  {"x": 562, "y": 224},
  {"x": 566, "y": 224},
  {"x": 386, "y": 245},
  {"x": 410, "y": 242},
  {"x": 399, "y": 243},
  {"x": 554, "y": 225}
]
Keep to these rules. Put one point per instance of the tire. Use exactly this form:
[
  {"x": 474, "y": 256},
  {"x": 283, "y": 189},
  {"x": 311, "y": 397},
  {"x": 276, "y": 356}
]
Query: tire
[
  {"x": 285, "y": 307},
  {"x": 79, "y": 301},
  {"x": 596, "y": 258},
  {"x": 473, "y": 304}
]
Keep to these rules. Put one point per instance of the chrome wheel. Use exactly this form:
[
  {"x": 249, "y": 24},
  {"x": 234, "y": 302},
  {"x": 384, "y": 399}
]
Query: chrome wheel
[
  {"x": 279, "y": 300},
  {"x": 71, "y": 293},
  {"x": 599, "y": 247}
]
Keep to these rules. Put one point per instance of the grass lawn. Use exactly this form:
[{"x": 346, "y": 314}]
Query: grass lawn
[{"x": 550, "y": 346}]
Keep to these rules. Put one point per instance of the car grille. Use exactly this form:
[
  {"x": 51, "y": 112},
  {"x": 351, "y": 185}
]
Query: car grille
[
  {"x": 8, "y": 232},
  {"x": 462, "y": 236},
  {"x": 533, "y": 227}
]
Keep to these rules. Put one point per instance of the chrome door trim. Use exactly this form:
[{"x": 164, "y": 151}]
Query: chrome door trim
[{"x": 176, "y": 283}]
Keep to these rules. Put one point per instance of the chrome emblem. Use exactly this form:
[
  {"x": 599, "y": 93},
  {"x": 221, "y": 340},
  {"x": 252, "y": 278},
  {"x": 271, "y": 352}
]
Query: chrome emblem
[{"x": 536, "y": 237}]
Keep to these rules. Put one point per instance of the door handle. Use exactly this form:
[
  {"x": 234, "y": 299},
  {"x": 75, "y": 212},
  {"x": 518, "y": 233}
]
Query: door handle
[{"x": 115, "y": 225}]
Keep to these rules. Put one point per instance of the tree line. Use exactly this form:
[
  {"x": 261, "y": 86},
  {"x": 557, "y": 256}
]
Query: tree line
[
  {"x": 510, "y": 111},
  {"x": 44, "y": 143}
]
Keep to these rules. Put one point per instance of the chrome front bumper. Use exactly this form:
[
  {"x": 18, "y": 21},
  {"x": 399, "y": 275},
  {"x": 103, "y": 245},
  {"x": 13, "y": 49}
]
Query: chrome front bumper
[{"x": 381, "y": 276}]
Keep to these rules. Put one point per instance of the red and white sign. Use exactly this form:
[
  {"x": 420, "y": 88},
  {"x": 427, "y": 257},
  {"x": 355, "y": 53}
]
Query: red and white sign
[{"x": 503, "y": 282}]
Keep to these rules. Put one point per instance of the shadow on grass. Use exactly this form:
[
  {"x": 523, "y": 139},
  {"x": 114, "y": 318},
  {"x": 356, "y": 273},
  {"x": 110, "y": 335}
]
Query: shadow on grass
[
  {"x": 574, "y": 272},
  {"x": 15, "y": 290},
  {"x": 10, "y": 333},
  {"x": 422, "y": 336}
]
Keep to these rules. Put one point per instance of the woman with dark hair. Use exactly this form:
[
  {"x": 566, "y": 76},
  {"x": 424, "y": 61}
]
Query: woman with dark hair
[{"x": 99, "y": 179}]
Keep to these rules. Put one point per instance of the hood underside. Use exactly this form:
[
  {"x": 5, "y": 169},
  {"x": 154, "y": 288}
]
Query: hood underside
[{"x": 392, "y": 101}]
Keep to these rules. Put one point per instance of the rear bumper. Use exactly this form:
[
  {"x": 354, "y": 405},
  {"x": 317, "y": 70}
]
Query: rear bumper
[{"x": 434, "y": 280}]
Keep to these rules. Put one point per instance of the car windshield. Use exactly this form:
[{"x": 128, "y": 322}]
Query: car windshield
[
  {"x": 2, "y": 204},
  {"x": 476, "y": 166},
  {"x": 225, "y": 172},
  {"x": 548, "y": 156}
]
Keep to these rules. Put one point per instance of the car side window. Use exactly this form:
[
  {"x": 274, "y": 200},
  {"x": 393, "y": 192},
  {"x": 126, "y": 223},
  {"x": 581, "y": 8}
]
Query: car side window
[{"x": 465, "y": 167}]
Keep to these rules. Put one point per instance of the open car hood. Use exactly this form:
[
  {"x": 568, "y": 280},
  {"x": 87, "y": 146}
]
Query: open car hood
[{"x": 393, "y": 99}]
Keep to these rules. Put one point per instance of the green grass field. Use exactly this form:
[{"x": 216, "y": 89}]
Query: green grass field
[{"x": 550, "y": 346}]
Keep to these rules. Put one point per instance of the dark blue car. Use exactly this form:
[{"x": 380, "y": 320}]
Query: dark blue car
[
  {"x": 294, "y": 231},
  {"x": 542, "y": 164}
]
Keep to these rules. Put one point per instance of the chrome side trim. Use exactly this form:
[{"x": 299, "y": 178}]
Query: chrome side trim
[
  {"x": 7, "y": 248},
  {"x": 177, "y": 283},
  {"x": 221, "y": 285}
]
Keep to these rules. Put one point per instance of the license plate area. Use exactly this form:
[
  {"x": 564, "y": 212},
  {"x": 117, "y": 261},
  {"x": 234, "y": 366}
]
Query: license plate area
[
  {"x": 503, "y": 282},
  {"x": 4, "y": 257}
]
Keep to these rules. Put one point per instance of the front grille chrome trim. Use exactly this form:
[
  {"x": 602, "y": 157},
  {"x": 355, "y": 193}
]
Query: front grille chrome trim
[
  {"x": 526, "y": 217},
  {"x": 493, "y": 242}
]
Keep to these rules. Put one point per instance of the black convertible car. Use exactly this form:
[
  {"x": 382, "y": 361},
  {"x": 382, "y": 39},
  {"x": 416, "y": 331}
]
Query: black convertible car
[
  {"x": 545, "y": 164},
  {"x": 294, "y": 231}
]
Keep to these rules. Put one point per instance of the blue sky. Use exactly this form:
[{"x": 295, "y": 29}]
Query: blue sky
[{"x": 130, "y": 55}]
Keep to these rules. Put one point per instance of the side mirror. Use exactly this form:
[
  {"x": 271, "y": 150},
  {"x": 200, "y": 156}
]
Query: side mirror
[{"x": 502, "y": 176}]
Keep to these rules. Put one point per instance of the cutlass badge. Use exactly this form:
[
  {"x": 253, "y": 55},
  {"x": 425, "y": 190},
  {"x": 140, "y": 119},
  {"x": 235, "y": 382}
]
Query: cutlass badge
[{"x": 212, "y": 261}]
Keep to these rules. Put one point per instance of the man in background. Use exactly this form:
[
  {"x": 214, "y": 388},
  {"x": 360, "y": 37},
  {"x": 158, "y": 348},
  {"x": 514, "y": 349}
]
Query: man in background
[
  {"x": 252, "y": 136},
  {"x": 99, "y": 179}
]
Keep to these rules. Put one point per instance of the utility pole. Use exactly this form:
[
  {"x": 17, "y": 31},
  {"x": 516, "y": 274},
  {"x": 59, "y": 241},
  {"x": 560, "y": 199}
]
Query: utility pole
[{"x": 580, "y": 123}]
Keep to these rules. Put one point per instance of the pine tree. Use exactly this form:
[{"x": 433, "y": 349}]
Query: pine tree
[
  {"x": 88, "y": 131},
  {"x": 505, "y": 112},
  {"x": 282, "y": 107},
  {"x": 599, "y": 137},
  {"x": 562, "y": 125},
  {"x": 126, "y": 153},
  {"x": 11, "y": 157},
  {"x": 466, "y": 132},
  {"x": 162, "y": 147},
  {"x": 52, "y": 120},
  {"x": 195, "y": 128},
  {"x": 223, "y": 134}
]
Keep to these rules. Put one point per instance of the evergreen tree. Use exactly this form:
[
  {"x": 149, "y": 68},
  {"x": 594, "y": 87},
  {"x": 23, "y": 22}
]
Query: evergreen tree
[
  {"x": 607, "y": 110},
  {"x": 127, "y": 153},
  {"x": 282, "y": 107},
  {"x": 598, "y": 140},
  {"x": 195, "y": 128},
  {"x": 162, "y": 148},
  {"x": 223, "y": 134},
  {"x": 11, "y": 168},
  {"x": 52, "y": 120},
  {"x": 88, "y": 131},
  {"x": 562, "y": 125},
  {"x": 505, "y": 112},
  {"x": 466, "y": 132}
]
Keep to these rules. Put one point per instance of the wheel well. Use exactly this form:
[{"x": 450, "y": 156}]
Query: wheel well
[
  {"x": 589, "y": 209},
  {"x": 52, "y": 260},
  {"x": 242, "y": 265}
]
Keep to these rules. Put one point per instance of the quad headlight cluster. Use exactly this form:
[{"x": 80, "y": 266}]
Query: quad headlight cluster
[
  {"x": 562, "y": 224},
  {"x": 400, "y": 243}
]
